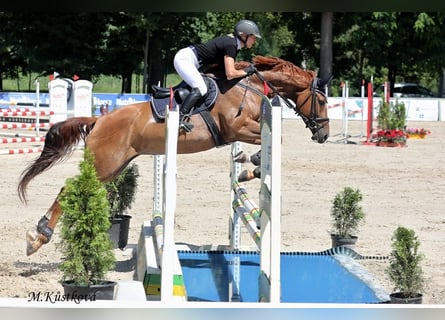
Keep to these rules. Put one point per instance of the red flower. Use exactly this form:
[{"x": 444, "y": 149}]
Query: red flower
[{"x": 394, "y": 135}]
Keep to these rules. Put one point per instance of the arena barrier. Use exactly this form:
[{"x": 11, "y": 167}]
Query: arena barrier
[
  {"x": 266, "y": 216},
  {"x": 28, "y": 122},
  {"x": 158, "y": 265}
]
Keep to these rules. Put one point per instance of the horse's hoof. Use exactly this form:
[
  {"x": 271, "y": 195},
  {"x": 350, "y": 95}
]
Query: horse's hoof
[
  {"x": 31, "y": 236},
  {"x": 246, "y": 175},
  {"x": 33, "y": 242},
  {"x": 256, "y": 158},
  {"x": 240, "y": 157}
]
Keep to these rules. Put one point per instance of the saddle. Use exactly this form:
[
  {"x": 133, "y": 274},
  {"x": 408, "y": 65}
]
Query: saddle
[{"x": 173, "y": 97}]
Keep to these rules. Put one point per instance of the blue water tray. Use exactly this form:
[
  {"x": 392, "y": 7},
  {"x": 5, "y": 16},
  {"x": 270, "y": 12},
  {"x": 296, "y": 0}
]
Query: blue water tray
[{"x": 305, "y": 278}]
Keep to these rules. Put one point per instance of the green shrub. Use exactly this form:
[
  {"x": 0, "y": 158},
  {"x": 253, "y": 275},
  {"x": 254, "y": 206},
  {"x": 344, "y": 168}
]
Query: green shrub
[
  {"x": 85, "y": 242},
  {"x": 392, "y": 116},
  {"x": 404, "y": 268},
  {"x": 122, "y": 190},
  {"x": 347, "y": 214}
]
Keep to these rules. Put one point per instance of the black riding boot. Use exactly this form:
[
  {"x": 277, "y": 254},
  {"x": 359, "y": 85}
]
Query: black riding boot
[{"x": 187, "y": 105}]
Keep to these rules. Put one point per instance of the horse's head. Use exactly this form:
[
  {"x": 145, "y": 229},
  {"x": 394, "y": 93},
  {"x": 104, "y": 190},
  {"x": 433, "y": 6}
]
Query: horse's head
[
  {"x": 311, "y": 106},
  {"x": 303, "y": 88}
]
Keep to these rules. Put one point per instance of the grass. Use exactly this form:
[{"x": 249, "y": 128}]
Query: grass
[{"x": 104, "y": 84}]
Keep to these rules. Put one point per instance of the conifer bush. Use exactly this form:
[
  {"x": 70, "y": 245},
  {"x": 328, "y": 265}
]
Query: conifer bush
[{"x": 87, "y": 251}]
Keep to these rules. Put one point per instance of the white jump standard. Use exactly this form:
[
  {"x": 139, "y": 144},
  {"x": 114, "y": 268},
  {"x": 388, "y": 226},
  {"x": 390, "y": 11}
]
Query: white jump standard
[{"x": 269, "y": 210}]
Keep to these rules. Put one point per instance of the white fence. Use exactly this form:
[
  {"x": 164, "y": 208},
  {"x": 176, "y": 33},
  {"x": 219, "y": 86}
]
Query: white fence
[{"x": 418, "y": 109}]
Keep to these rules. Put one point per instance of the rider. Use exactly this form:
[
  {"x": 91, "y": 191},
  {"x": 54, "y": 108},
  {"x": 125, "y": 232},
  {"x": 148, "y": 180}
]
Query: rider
[{"x": 221, "y": 51}]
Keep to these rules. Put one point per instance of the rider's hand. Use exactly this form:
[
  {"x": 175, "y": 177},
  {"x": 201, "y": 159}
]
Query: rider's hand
[{"x": 250, "y": 70}]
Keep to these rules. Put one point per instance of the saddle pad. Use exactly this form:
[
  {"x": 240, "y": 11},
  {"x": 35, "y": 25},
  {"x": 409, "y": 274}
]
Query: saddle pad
[{"x": 159, "y": 104}]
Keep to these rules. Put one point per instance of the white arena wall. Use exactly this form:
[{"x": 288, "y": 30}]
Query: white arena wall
[{"x": 418, "y": 109}]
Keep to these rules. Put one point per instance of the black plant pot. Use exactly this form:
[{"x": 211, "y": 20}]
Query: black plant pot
[
  {"x": 397, "y": 297},
  {"x": 102, "y": 291},
  {"x": 120, "y": 226},
  {"x": 338, "y": 241}
]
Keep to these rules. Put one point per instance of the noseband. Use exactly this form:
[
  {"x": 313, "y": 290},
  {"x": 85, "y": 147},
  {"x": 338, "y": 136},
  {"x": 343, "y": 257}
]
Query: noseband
[{"x": 313, "y": 121}]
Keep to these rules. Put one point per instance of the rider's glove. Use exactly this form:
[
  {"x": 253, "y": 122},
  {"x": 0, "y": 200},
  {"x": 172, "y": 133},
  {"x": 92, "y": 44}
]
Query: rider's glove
[{"x": 250, "y": 70}]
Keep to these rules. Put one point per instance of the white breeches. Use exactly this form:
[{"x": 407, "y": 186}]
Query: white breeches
[{"x": 186, "y": 65}]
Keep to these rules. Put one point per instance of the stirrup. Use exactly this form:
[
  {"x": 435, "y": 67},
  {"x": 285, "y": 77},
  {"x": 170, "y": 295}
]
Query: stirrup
[{"x": 187, "y": 126}]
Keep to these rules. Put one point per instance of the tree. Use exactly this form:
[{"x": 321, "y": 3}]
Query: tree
[
  {"x": 124, "y": 47},
  {"x": 326, "y": 44}
]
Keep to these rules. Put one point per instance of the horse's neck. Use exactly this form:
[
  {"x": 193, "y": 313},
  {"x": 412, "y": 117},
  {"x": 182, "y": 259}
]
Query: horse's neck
[{"x": 287, "y": 84}]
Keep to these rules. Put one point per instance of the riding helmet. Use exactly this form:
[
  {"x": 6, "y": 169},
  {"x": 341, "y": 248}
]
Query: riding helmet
[{"x": 247, "y": 27}]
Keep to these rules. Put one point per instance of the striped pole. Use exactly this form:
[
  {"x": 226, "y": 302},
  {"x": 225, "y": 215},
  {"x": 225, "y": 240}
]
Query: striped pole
[
  {"x": 21, "y": 140},
  {"x": 26, "y": 113},
  {"x": 248, "y": 221},
  {"x": 21, "y": 151},
  {"x": 24, "y": 125},
  {"x": 249, "y": 204}
]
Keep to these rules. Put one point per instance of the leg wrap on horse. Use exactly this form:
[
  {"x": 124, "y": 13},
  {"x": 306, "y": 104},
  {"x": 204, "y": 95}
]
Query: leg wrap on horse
[{"x": 42, "y": 228}]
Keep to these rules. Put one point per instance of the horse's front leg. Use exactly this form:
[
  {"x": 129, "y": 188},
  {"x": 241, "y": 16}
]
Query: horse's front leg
[{"x": 45, "y": 228}]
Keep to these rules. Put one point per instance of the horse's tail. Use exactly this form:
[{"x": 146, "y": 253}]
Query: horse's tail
[{"x": 60, "y": 142}]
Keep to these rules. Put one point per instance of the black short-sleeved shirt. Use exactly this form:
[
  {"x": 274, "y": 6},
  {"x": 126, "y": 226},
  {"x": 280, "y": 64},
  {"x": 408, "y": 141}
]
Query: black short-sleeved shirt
[{"x": 214, "y": 50}]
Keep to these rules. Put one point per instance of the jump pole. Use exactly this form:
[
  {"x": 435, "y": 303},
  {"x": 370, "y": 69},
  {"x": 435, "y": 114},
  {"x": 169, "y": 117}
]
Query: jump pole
[{"x": 370, "y": 114}]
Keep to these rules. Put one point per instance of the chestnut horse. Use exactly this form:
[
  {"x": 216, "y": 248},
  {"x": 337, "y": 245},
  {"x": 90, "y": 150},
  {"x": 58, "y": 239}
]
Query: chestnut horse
[{"x": 119, "y": 136}]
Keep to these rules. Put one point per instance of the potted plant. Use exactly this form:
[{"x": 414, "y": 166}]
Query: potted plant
[
  {"x": 121, "y": 194},
  {"x": 417, "y": 133},
  {"x": 391, "y": 122},
  {"x": 347, "y": 216},
  {"x": 404, "y": 269},
  {"x": 87, "y": 251}
]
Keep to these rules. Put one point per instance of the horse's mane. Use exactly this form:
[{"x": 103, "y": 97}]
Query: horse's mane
[
  {"x": 274, "y": 64},
  {"x": 302, "y": 78},
  {"x": 263, "y": 63}
]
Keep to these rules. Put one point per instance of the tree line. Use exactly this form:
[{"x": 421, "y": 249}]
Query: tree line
[{"x": 354, "y": 47}]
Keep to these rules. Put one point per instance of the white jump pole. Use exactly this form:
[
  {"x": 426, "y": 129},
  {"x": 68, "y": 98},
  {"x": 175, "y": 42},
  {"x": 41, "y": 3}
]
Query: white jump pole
[
  {"x": 169, "y": 254},
  {"x": 37, "y": 83},
  {"x": 362, "y": 95},
  {"x": 270, "y": 204}
]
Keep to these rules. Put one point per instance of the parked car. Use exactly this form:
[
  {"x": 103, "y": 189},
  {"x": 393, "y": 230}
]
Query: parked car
[{"x": 406, "y": 90}]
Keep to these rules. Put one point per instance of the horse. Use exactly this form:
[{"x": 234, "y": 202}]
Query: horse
[{"x": 118, "y": 137}]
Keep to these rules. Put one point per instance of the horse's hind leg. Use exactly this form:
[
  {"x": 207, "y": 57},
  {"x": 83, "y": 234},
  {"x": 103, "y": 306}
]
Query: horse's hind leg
[{"x": 45, "y": 228}]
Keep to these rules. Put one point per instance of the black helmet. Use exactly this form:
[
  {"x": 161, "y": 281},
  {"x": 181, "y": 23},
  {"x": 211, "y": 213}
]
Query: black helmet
[{"x": 247, "y": 27}]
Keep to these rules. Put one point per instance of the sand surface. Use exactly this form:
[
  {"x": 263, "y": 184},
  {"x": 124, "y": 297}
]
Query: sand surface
[{"x": 400, "y": 186}]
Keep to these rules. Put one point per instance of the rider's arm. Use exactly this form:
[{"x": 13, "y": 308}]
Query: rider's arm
[{"x": 231, "y": 72}]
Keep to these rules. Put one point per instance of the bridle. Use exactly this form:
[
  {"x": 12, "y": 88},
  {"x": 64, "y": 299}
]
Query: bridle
[{"x": 313, "y": 121}]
